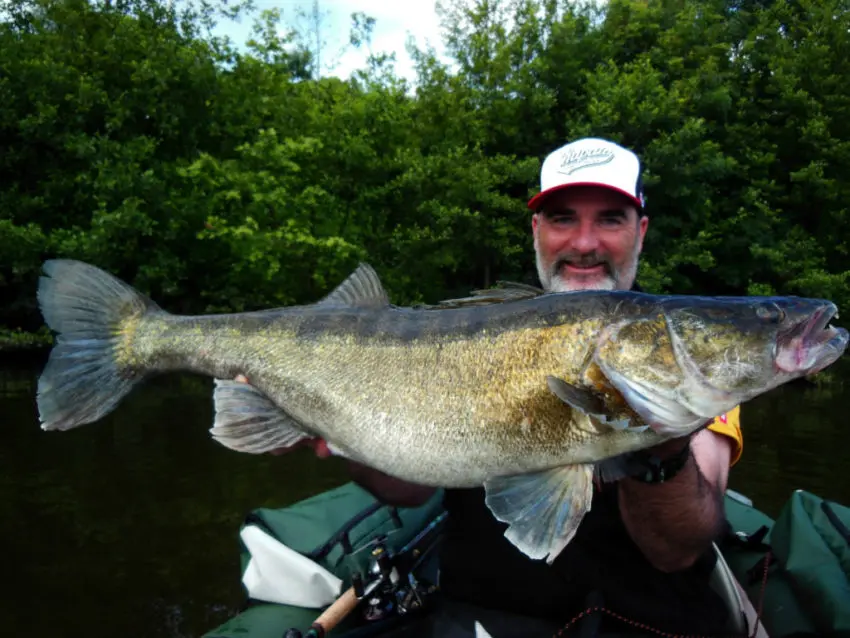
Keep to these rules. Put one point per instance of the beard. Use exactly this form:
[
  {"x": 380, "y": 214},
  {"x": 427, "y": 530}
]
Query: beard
[{"x": 612, "y": 278}]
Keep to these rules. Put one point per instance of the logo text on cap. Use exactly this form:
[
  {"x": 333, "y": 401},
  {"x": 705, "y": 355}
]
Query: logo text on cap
[{"x": 575, "y": 160}]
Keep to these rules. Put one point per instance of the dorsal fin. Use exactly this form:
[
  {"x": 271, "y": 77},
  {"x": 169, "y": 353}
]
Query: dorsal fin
[{"x": 362, "y": 288}]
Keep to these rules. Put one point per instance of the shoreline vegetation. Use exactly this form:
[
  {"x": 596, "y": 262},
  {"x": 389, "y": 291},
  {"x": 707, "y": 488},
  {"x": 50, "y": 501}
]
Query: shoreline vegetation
[
  {"x": 18, "y": 340},
  {"x": 222, "y": 178}
]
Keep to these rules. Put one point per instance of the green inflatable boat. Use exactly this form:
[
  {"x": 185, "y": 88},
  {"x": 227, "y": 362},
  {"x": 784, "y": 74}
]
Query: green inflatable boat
[{"x": 370, "y": 569}]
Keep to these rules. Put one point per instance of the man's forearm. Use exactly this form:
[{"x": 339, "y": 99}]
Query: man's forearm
[
  {"x": 389, "y": 489},
  {"x": 674, "y": 522}
]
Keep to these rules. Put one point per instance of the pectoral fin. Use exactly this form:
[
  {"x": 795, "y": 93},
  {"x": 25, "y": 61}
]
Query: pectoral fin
[
  {"x": 246, "y": 420},
  {"x": 582, "y": 400},
  {"x": 588, "y": 403},
  {"x": 659, "y": 409},
  {"x": 543, "y": 510}
]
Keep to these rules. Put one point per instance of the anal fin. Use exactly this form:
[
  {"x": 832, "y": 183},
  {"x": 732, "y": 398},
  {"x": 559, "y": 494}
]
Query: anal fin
[
  {"x": 544, "y": 509},
  {"x": 246, "y": 420}
]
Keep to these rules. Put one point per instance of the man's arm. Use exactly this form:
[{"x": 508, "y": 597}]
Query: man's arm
[
  {"x": 383, "y": 487},
  {"x": 389, "y": 489},
  {"x": 674, "y": 522}
]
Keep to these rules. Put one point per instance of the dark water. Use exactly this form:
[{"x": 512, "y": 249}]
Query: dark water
[{"x": 129, "y": 527}]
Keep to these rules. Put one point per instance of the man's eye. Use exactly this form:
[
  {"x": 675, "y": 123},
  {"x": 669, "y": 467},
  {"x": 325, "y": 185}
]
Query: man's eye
[{"x": 612, "y": 221}]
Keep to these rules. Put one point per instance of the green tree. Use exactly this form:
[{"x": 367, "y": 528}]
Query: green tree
[{"x": 222, "y": 178}]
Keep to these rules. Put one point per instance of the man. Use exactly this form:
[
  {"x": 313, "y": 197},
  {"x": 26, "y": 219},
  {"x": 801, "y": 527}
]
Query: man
[{"x": 644, "y": 551}]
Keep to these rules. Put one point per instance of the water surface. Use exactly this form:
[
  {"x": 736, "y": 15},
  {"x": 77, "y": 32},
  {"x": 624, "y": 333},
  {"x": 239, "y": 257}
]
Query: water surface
[{"x": 129, "y": 527}]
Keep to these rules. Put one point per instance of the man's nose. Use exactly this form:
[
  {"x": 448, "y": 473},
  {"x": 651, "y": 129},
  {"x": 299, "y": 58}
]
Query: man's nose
[{"x": 585, "y": 240}]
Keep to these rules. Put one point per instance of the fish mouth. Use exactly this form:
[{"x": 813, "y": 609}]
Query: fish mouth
[{"x": 812, "y": 345}]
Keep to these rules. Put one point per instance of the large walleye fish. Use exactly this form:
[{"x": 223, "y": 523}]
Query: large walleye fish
[{"x": 531, "y": 398}]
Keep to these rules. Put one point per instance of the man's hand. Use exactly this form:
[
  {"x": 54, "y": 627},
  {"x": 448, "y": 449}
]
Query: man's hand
[
  {"x": 320, "y": 447},
  {"x": 674, "y": 522}
]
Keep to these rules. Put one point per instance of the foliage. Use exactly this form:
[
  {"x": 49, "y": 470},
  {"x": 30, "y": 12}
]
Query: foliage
[{"x": 215, "y": 178}]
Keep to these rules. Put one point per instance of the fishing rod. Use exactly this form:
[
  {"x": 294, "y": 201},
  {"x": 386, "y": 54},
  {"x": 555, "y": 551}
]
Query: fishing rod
[{"x": 388, "y": 588}]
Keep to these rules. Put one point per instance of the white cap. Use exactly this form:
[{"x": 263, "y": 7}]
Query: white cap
[{"x": 591, "y": 161}]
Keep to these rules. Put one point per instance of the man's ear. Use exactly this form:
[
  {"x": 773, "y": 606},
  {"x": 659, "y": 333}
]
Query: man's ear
[{"x": 643, "y": 224}]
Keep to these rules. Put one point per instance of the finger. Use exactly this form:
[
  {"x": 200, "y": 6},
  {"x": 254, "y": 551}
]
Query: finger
[
  {"x": 289, "y": 448},
  {"x": 241, "y": 378},
  {"x": 321, "y": 448}
]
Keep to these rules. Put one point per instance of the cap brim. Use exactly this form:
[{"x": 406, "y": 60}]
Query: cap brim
[{"x": 535, "y": 202}]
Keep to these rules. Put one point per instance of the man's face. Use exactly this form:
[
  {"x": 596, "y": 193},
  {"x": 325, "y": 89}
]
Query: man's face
[{"x": 587, "y": 238}]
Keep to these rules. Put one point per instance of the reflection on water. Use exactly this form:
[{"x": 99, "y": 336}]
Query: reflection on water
[{"x": 130, "y": 526}]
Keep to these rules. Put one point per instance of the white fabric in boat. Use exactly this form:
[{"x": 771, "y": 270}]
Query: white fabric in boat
[{"x": 276, "y": 573}]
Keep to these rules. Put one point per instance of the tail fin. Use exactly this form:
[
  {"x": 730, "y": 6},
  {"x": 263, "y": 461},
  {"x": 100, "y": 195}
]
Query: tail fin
[{"x": 88, "y": 308}]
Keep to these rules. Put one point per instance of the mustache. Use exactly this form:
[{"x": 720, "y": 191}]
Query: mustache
[{"x": 585, "y": 260}]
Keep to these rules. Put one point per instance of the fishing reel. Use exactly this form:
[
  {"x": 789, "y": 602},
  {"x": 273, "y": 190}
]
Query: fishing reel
[{"x": 387, "y": 588}]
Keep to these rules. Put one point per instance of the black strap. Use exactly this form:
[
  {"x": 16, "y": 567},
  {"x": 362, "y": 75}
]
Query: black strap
[
  {"x": 837, "y": 523},
  {"x": 656, "y": 470}
]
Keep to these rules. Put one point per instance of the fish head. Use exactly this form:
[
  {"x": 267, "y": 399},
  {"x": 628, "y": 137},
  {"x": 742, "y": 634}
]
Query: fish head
[
  {"x": 748, "y": 344},
  {"x": 681, "y": 361}
]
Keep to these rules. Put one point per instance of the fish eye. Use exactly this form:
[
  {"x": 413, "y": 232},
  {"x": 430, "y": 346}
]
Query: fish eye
[{"x": 771, "y": 313}]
